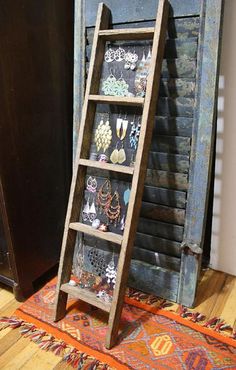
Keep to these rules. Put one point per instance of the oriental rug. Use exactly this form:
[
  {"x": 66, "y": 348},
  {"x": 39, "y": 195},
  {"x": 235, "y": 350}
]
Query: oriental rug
[{"x": 152, "y": 335}]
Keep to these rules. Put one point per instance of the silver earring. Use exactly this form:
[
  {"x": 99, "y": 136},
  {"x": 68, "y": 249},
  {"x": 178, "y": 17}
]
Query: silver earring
[
  {"x": 91, "y": 184},
  {"x": 122, "y": 223},
  {"x": 92, "y": 212},
  {"x": 109, "y": 55},
  {"x": 111, "y": 272},
  {"x": 85, "y": 212},
  {"x": 119, "y": 54}
]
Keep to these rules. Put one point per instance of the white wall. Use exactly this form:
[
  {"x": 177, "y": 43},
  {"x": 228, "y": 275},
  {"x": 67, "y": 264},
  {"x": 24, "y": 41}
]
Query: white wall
[{"x": 223, "y": 248}]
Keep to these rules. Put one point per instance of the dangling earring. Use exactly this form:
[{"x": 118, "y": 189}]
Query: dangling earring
[
  {"x": 109, "y": 55},
  {"x": 104, "y": 196},
  {"x": 121, "y": 88},
  {"x": 134, "y": 134},
  {"x": 85, "y": 212},
  {"x": 91, "y": 184},
  {"x": 108, "y": 85},
  {"x": 114, "y": 155},
  {"x": 112, "y": 211},
  {"x": 121, "y": 155},
  {"x": 122, "y": 223},
  {"x": 119, "y": 54},
  {"x": 103, "y": 135},
  {"x": 92, "y": 212},
  {"x": 79, "y": 260},
  {"x": 111, "y": 272}
]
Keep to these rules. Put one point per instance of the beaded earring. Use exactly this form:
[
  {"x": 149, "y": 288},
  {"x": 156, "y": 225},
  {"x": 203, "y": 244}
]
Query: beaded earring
[
  {"x": 113, "y": 210},
  {"x": 104, "y": 196}
]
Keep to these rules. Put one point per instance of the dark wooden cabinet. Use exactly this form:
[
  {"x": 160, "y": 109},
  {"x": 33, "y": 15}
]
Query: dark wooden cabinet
[{"x": 36, "y": 79}]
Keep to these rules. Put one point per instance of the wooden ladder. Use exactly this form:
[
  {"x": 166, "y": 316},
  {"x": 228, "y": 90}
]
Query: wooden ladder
[{"x": 138, "y": 172}]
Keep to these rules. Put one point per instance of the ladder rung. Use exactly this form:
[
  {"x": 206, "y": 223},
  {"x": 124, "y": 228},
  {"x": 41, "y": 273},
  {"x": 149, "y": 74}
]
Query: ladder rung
[
  {"x": 105, "y": 235},
  {"x": 117, "y": 100},
  {"x": 86, "y": 295},
  {"x": 128, "y": 34},
  {"x": 107, "y": 166}
]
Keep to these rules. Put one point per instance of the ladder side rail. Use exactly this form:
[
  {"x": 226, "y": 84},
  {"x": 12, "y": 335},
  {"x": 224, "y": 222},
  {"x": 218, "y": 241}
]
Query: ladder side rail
[
  {"x": 77, "y": 184},
  {"x": 138, "y": 180}
]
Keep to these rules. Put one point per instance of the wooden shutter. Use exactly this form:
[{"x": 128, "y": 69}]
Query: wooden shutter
[{"x": 167, "y": 251}]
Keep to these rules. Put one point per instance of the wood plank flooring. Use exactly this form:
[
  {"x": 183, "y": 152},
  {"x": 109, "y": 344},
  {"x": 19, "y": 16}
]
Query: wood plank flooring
[{"x": 216, "y": 297}]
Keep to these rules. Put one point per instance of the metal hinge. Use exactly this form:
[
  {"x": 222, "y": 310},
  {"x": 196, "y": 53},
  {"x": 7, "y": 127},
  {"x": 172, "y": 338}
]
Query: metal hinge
[{"x": 193, "y": 248}]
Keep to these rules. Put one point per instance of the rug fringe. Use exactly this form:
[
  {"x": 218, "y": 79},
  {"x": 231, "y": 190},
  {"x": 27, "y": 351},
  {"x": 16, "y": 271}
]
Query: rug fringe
[{"x": 48, "y": 342}]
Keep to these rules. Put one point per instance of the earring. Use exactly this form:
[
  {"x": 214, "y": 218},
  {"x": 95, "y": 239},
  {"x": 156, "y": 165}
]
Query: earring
[
  {"x": 79, "y": 260},
  {"x": 121, "y": 155},
  {"x": 122, "y": 223},
  {"x": 85, "y": 212},
  {"x": 131, "y": 60},
  {"x": 124, "y": 129},
  {"x": 109, "y": 55},
  {"x": 121, "y": 87},
  {"x": 126, "y": 196},
  {"x": 119, "y": 54},
  {"x": 134, "y": 134},
  {"x": 114, "y": 155},
  {"x": 112, "y": 210},
  {"x": 104, "y": 196},
  {"x": 103, "y": 135},
  {"x": 109, "y": 84},
  {"x": 92, "y": 212},
  {"x": 111, "y": 272},
  {"x": 91, "y": 184}
]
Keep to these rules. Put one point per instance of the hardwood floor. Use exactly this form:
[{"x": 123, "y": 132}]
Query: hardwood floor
[{"x": 216, "y": 297}]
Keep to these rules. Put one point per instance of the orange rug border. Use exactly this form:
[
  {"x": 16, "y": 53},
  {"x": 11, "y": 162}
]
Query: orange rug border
[
  {"x": 68, "y": 339},
  {"x": 183, "y": 321}
]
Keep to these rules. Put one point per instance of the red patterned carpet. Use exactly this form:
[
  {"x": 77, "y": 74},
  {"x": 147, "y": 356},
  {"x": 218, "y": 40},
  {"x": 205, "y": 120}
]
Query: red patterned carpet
[{"x": 150, "y": 338}]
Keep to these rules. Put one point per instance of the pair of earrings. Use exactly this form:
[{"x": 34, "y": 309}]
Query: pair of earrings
[
  {"x": 89, "y": 212},
  {"x": 134, "y": 133},
  {"x": 109, "y": 204},
  {"x": 115, "y": 87},
  {"x": 119, "y": 155},
  {"x": 142, "y": 74},
  {"x": 117, "y": 55},
  {"x": 103, "y": 135}
]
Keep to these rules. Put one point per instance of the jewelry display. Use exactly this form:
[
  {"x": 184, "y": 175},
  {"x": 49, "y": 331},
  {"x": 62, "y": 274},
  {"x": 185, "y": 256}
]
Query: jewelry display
[
  {"x": 112, "y": 211},
  {"x": 91, "y": 184},
  {"x": 134, "y": 134},
  {"x": 103, "y": 135}
]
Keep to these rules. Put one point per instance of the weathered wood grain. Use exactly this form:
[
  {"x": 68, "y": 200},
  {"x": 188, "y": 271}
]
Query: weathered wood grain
[
  {"x": 168, "y": 197},
  {"x": 163, "y": 213},
  {"x": 154, "y": 279},
  {"x": 171, "y": 144},
  {"x": 168, "y": 162},
  {"x": 177, "y": 27},
  {"x": 174, "y": 126},
  {"x": 177, "y": 181},
  {"x": 181, "y": 106},
  {"x": 161, "y": 229},
  {"x": 156, "y": 259},
  {"x": 158, "y": 244},
  {"x": 177, "y": 87}
]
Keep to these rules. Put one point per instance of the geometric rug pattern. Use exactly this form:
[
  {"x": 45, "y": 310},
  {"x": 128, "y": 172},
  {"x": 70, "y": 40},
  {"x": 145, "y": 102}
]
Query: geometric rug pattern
[{"x": 147, "y": 340}]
